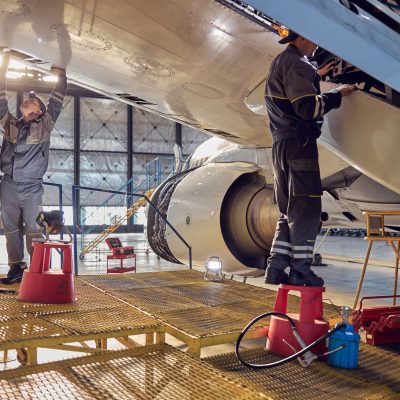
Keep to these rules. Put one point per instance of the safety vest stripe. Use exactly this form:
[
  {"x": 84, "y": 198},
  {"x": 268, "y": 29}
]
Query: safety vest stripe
[
  {"x": 277, "y": 250},
  {"x": 277, "y": 97},
  {"x": 301, "y": 97},
  {"x": 281, "y": 243},
  {"x": 299, "y": 248}
]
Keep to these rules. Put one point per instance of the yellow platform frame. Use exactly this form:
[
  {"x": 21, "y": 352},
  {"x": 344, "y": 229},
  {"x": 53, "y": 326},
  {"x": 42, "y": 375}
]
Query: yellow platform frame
[
  {"x": 375, "y": 221},
  {"x": 95, "y": 317}
]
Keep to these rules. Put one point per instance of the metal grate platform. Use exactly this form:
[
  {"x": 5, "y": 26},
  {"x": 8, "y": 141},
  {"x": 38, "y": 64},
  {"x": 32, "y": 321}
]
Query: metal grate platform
[
  {"x": 377, "y": 378},
  {"x": 198, "y": 312},
  {"x": 95, "y": 316},
  {"x": 144, "y": 279},
  {"x": 154, "y": 372}
]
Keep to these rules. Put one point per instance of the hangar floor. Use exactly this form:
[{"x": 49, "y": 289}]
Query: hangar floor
[
  {"x": 343, "y": 258},
  {"x": 341, "y": 277}
]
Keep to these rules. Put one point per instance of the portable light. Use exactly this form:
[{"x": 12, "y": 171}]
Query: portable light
[{"x": 213, "y": 269}]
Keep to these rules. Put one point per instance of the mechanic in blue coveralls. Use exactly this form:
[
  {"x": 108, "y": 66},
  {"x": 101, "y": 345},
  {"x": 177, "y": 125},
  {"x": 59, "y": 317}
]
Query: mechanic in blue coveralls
[
  {"x": 23, "y": 161},
  {"x": 295, "y": 108}
]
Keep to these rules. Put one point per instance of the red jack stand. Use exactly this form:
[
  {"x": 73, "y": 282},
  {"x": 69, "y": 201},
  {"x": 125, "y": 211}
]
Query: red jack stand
[
  {"x": 40, "y": 284},
  {"x": 309, "y": 323}
]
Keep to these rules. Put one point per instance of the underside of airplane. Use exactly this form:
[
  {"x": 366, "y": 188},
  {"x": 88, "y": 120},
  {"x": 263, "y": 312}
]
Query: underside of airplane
[{"x": 204, "y": 63}]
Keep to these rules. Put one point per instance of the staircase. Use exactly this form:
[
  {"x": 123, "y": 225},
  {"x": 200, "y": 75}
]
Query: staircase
[
  {"x": 149, "y": 177},
  {"x": 112, "y": 228}
]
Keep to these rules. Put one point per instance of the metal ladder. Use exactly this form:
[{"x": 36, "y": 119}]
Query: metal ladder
[
  {"x": 112, "y": 228},
  {"x": 152, "y": 173}
]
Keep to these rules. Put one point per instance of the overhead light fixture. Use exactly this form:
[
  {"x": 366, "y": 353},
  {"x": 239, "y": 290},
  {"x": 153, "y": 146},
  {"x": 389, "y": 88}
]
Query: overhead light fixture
[{"x": 213, "y": 270}]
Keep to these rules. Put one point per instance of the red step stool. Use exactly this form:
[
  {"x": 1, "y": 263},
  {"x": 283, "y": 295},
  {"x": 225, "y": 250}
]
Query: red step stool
[
  {"x": 42, "y": 285},
  {"x": 377, "y": 325},
  {"x": 310, "y": 322},
  {"x": 121, "y": 253}
]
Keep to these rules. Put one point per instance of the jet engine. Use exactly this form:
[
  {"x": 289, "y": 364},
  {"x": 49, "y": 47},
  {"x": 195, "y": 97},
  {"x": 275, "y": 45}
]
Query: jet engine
[{"x": 220, "y": 209}]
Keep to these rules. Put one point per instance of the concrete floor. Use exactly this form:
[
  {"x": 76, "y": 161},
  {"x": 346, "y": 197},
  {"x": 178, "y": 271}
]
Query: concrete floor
[{"x": 341, "y": 277}]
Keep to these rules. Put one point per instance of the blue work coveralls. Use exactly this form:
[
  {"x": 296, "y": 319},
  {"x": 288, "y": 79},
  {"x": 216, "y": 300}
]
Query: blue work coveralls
[
  {"x": 295, "y": 108},
  {"x": 23, "y": 161}
]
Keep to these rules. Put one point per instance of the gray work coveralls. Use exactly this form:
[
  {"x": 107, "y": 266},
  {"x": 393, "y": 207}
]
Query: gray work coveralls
[
  {"x": 23, "y": 160},
  {"x": 295, "y": 108}
]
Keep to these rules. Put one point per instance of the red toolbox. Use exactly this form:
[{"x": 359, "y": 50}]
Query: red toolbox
[
  {"x": 120, "y": 253},
  {"x": 377, "y": 325}
]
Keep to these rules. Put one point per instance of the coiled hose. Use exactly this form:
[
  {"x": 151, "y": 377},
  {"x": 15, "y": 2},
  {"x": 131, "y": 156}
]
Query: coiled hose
[{"x": 287, "y": 359}]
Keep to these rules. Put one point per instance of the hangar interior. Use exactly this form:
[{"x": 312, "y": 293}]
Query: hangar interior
[
  {"x": 99, "y": 142},
  {"x": 75, "y": 329}
]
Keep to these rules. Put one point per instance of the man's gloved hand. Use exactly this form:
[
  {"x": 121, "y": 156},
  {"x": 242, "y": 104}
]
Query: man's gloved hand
[
  {"x": 328, "y": 67},
  {"x": 57, "y": 70}
]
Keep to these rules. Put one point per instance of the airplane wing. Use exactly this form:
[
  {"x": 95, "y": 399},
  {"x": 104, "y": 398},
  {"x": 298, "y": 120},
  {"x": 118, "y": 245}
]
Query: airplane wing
[
  {"x": 363, "y": 32},
  {"x": 190, "y": 61}
]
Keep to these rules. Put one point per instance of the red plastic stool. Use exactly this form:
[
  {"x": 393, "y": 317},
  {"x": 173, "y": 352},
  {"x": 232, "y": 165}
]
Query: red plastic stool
[
  {"x": 42, "y": 285},
  {"x": 310, "y": 323}
]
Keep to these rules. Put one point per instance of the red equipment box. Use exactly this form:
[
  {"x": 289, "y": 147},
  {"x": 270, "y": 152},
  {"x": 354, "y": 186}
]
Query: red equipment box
[
  {"x": 378, "y": 325},
  {"x": 121, "y": 253}
]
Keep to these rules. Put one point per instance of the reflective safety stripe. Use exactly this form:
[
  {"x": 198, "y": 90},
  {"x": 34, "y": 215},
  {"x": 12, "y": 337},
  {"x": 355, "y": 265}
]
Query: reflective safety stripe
[
  {"x": 301, "y": 97},
  {"x": 317, "y": 110},
  {"x": 297, "y": 248},
  {"x": 281, "y": 251},
  {"x": 15, "y": 262},
  {"x": 276, "y": 97},
  {"x": 281, "y": 243},
  {"x": 301, "y": 255}
]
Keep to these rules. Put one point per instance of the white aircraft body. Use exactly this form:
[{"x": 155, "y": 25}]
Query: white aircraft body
[{"x": 204, "y": 63}]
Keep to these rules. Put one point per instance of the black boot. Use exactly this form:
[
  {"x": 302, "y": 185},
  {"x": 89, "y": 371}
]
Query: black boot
[
  {"x": 276, "y": 276},
  {"x": 14, "y": 274},
  {"x": 308, "y": 279}
]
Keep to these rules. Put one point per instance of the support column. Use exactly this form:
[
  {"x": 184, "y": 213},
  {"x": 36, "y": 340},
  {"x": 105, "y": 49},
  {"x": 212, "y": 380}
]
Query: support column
[
  {"x": 129, "y": 204},
  {"x": 20, "y": 99},
  {"x": 77, "y": 152},
  {"x": 178, "y": 134}
]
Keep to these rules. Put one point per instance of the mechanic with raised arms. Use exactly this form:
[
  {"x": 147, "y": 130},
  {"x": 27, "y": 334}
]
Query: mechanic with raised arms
[{"x": 23, "y": 161}]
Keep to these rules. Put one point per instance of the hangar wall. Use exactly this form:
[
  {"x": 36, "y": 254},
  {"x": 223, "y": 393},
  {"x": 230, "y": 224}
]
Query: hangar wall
[{"x": 89, "y": 144}]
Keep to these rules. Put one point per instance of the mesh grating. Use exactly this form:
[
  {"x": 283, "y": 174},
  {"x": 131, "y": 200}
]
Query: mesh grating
[
  {"x": 9, "y": 308},
  {"x": 144, "y": 280},
  {"x": 208, "y": 293},
  {"x": 115, "y": 319},
  {"x": 377, "y": 377},
  {"x": 22, "y": 330},
  {"x": 187, "y": 287},
  {"x": 154, "y": 372},
  {"x": 88, "y": 298},
  {"x": 206, "y": 321},
  {"x": 156, "y": 300},
  {"x": 184, "y": 300},
  {"x": 94, "y": 313}
]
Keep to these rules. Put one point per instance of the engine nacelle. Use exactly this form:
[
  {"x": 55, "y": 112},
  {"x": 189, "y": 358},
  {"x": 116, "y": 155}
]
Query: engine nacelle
[{"x": 220, "y": 209}]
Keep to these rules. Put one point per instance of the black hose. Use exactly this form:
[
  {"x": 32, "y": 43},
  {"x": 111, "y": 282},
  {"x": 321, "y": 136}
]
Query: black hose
[{"x": 287, "y": 359}]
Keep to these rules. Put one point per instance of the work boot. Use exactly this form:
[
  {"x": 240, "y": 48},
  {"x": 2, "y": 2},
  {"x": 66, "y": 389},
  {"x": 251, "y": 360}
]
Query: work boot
[
  {"x": 14, "y": 274},
  {"x": 309, "y": 279},
  {"x": 276, "y": 276}
]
